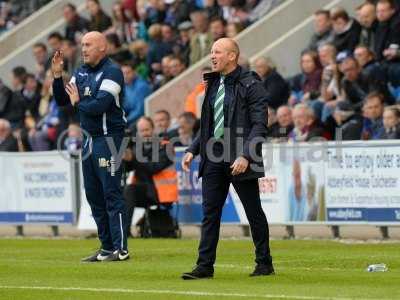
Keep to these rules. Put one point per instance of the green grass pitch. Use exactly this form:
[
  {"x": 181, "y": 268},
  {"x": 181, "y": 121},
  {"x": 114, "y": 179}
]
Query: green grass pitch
[{"x": 306, "y": 270}]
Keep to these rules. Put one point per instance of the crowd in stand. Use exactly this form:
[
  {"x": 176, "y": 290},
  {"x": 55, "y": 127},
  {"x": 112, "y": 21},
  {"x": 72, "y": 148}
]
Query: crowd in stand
[{"x": 349, "y": 79}]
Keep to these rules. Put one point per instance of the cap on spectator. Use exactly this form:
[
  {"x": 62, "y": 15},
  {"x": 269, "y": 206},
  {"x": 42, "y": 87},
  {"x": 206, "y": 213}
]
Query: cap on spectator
[
  {"x": 343, "y": 56},
  {"x": 185, "y": 25},
  {"x": 344, "y": 106}
]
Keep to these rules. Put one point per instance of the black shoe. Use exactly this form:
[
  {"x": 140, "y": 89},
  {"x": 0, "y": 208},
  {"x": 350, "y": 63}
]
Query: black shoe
[
  {"x": 99, "y": 255},
  {"x": 198, "y": 273},
  {"x": 263, "y": 270},
  {"x": 117, "y": 255}
]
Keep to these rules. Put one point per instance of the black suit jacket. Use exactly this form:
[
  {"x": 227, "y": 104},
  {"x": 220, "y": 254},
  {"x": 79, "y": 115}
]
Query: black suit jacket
[{"x": 247, "y": 120}]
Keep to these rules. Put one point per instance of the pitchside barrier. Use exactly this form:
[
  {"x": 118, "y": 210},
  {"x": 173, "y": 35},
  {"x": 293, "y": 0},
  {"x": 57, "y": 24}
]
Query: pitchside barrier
[{"x": 305, "y": 184}]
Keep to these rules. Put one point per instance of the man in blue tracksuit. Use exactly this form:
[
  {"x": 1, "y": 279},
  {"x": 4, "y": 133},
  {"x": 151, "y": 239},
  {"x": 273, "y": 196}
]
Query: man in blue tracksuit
[{"x": 96, "y": 90}]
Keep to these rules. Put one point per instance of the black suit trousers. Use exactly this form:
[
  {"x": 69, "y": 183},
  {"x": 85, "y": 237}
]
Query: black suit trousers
[{"x": 215, "y": 186}]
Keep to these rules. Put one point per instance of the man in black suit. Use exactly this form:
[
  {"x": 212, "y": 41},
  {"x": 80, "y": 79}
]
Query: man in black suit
[{"x": 232, "y": 122}]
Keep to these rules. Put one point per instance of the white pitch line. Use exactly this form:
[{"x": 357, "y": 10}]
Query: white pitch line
[{"x": 171, "y": 292}]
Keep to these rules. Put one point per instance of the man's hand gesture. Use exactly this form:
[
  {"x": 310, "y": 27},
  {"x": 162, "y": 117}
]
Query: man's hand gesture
[
  {"x": 186, "y": 161},
  {"x": 57, "y": 64}
]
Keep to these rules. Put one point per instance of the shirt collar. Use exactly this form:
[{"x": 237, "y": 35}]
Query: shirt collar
[{"x": 232, "y": 76}]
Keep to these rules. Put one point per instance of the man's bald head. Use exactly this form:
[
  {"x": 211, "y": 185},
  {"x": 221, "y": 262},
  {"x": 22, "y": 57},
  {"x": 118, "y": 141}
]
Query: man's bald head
[
  {"x": 224, "y": 55},
  {"x": 94, "y": 48}
]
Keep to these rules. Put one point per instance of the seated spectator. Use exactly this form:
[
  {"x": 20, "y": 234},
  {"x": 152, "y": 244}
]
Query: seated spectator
[
  {"x": 182, "y": 46},
  {"x": 366, "y": 13},
  {"x": 55, "y": 42},
  {"x": 350, "y": 123},
  {"x": 142, "y": 192},
  {"x": 136, "y": 91},
  {"x": 277, "y": 87},
  {"x": 115, "y": 49},
  {"x": 12, "y": 106},
  {"x": 125, "y": 27},
  {"x": 306, "y": 127},
  {"x": 140, "y": 49},
  {"x": 31, "y": 95},
  {"x": 323, "y": 33},
  {"x": 18, "y": 78},
  {"x": 391, "y": 123},
  {"x": 42, "y": 61},
  {"x": 176, "y": 66},
  {"x": 201, "y": 41},
  {"x": 72, "y": 56},
  {"x": 187, "y": 129},
  {"x": 154, "y": 13},
  {"x": 387, "y": 40},
  {"x": 168, "y": 36},
  {"x": 373, "y": 112},
  {"x": 76, "y": 26},
  {"x": 306, "y": 85},
  {"x": 357, "y": 85},
  {"x": 285, "y": 122},
  {"x": 233, "y": 29},
  {"x": 162, "y": 125},
  {"x": 99, "y": 20},
  {"x": 8, "y": 142},
  {"x": 370, "y": 67},
  {"x": 217, "y": 28},
  {"x": 177, "y": 12},
  {"x": 157, "y": 48},
  {"x": 346, "y": 30},
  {"x": 272, "y": 124},
  {"x": 194, "y": 100},
  {"x": 165, "y": 76}
]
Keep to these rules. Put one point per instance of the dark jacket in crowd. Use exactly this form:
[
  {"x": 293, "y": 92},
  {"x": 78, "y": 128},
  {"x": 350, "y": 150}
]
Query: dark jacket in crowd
[
  {"x": 277, "y": 88},
  {"x": 391, "y": 134},
  {"x": 368, "y": 35},
  {"x": 278, "y": 132},
  {"x": 245, "y": 109},
  {"x": 349, "y": 39},
  {"x": 10, "y": 144},
  {"x": 12, "y": 106},
  {"x": 387, "y": 33},
  {"x": 100, "y": 22},
  {"x": 320, "y": 39},
  {"x": 351, "y": 129},
  {"x": 79, "y": 26}
]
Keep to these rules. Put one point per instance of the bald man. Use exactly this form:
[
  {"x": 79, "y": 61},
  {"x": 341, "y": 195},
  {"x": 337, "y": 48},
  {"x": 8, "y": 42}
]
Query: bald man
[
  {"x": 96, "y": 91},
  {"x": 233, "y": 127}
]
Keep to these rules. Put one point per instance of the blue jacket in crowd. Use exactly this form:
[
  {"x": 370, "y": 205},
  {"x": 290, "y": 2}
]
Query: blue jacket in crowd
[{"x": 135, "y": 94}]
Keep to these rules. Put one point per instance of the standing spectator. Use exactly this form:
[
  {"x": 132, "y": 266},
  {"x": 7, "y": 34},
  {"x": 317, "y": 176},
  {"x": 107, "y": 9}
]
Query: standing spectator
[
  {"x": 391, "y": 121},
  {"x": 346, "y": 30},
  {"x": 31, "y": 95},
  {"x": 369, "y": 24},
  {"x": 11, "y": 106},
  {"x": 350, "y": 123},
  {"x": 387, "y": 41},
  {"x": 42, "y": 61},
  {"x": 136, "y": 91},
  {"x": 18, "y": 78},
  {"x": 322, "y": 30},
  {"x": 373, "y": 112},
  {"x": 76, "y": 26},
  {"x": 8, "y": 142},
  {"x": 217, "y": 28},
  {"x": 115, "y": 49},
  {"x": 276, "y": 87},
  {"x": 200, "y": 43},
  {"x": 55, "y": 42},
  {"x": 99, "y": 21}
]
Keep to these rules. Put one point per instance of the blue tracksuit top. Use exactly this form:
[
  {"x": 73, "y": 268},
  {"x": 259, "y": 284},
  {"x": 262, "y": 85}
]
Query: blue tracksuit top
[{"x": 101, "y": 92}]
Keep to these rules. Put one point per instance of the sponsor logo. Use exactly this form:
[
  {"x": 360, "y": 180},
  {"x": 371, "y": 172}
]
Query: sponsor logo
[
  {"x": 87, "y": 92},
  {"x": 104, "y": 163}
]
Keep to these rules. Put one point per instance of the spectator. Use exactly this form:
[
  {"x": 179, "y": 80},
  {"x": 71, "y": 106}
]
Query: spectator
[
  {"x": 126, "y": 28},
  {"x": 168, "y": 35},
  {"x": 8, "y": 142},
  {"x": 370, "y": 67},
  {"x": 18, "y": 79},
  {"x": 182, "y": 46},
  {"x": 272, "y": 124},
  {"x": 322, "y": 30},
  {"x": 162, "y": 122},
  {"x": 76, "y": 26},
  {"x": 306, "y": 85},
  {"x": 285, "y": 122},
  {"x": 391, "y": 121},
  {"x": 277, "y": 88},
  {"x": 305, "y": 125},
  {"x": 369, "y": 24},
  {"x": 233, "y": 29},
  {"x": 176, "y": 66},
  {"x": 387, "y": 39},
  {"x": 200, "y": 43},
  {"x": 346, "y": 30},
  {"x": 350, "y": 123},
  {"x": 99, "y": 21},
  {"x": 136, "y": 91},
  {"x": 140, "y": 49},
  {"x": 357, "y": 85},
  {"x": 157, "y": 49},
  {"x": 187, "y": 129},
  {"x": 373, "y": 113},
  {"x": 115, "y": 50},
  {"x": 42, "y": 60},
  {"x": 55, "y": 42},
  {"x": 155, "y": 12},
  {"x": 217, "y": 28},
  {"x": 177, "y": 12},
  {"x": 72, "y": 56},
  {"x": 11, "y": 106},
  {"x": 31, "y": 95},
  {"x": 194, "y": 100},
  {"x": 261, "y": 8}
]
